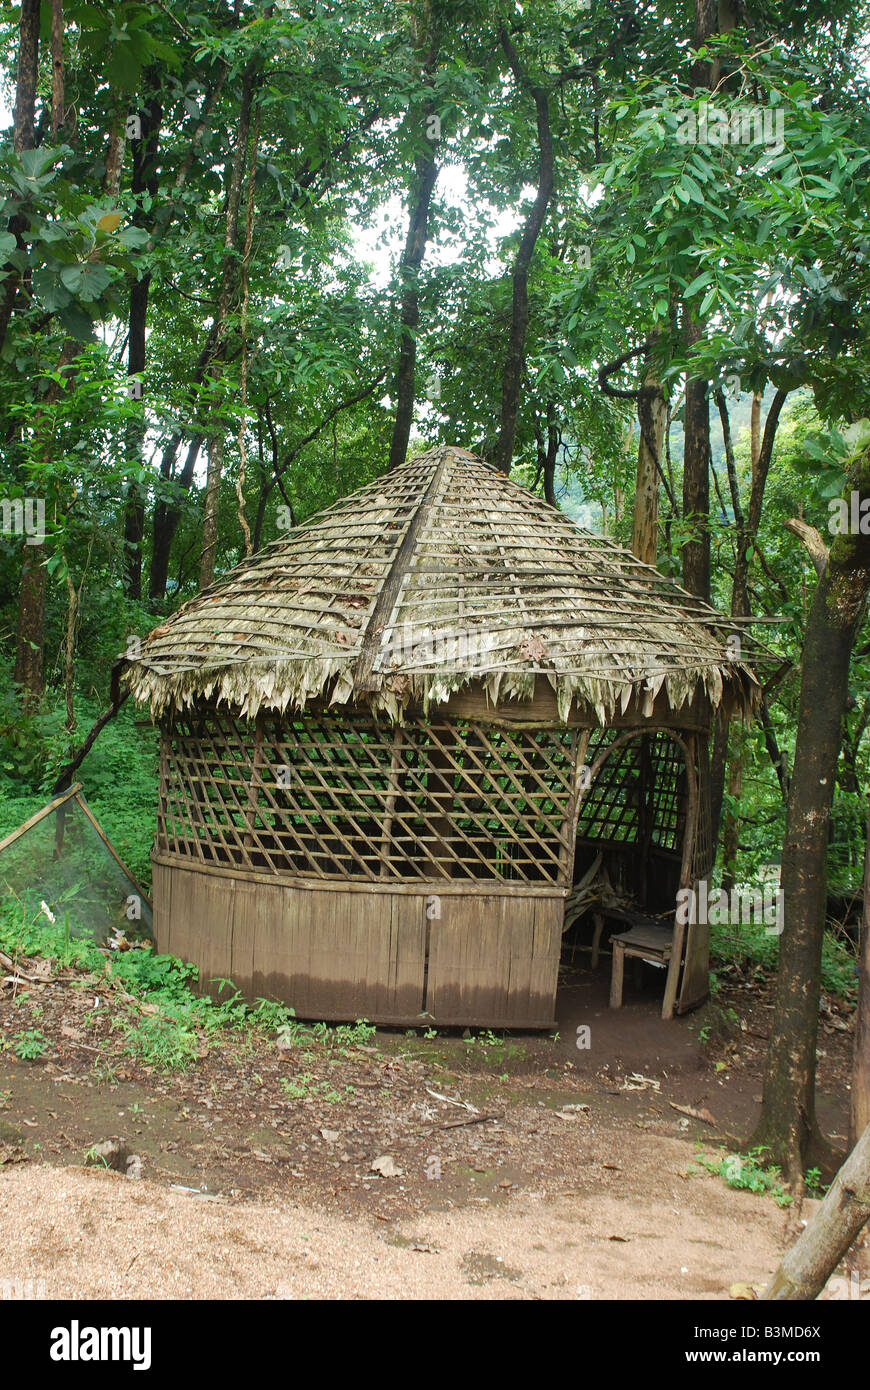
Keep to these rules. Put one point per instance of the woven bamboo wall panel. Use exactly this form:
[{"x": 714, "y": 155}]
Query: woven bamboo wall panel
[
  {"x": 639, "y": 792},
  {"x": 489, "y": 959},
  {"x": 348, "y": 796}
]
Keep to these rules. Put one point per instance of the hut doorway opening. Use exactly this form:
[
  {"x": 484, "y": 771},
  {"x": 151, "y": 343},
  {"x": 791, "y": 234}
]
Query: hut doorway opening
[{"x": 643, "y": 832}]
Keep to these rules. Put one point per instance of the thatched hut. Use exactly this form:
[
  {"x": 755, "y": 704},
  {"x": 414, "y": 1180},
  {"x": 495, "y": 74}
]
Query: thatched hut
[{"x": 395, "y": 741}]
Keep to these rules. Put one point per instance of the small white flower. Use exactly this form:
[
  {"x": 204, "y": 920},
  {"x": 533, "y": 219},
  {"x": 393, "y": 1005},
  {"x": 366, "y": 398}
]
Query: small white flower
[{"x": 44, "y": 907}]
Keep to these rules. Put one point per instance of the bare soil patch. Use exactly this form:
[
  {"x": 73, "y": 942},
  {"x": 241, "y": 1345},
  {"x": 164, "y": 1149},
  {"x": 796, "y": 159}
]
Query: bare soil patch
[{"x": 515, "y": 1167}]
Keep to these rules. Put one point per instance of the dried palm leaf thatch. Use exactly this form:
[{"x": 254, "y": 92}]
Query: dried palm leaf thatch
[{"x": 441, "y": 575}]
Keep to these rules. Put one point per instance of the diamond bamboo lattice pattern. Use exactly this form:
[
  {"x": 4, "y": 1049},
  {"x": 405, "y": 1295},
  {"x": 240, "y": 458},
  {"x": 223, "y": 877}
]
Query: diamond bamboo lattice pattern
[
  {"x": 639, "y": 791},
  {"x": 349, "y": 796}
]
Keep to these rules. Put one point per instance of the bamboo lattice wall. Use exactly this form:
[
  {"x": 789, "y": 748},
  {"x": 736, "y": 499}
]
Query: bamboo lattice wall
[{"x": 347, "y": 796}]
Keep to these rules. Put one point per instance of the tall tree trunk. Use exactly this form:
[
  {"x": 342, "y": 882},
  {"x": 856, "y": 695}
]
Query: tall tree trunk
[
  {"x": 696, "y": 447},
  {"x": 747, "y": 526},
  {"x": 512, "y": 375},
  {"x": 427, "y": 41},
  {"x": 24, "y": 111},
  {"x": 696, "y": 480},
  {"x": 167, "y": 515},
  {"x": 23, "y": 135},
  {"x": 548, "y": 452},
  {"x": 788, "y": 1124},
  {"x": 860, "y": 1094},
  {"x": 145, "y": 179},
  {"x": 652, "y": 417},
  {"x": 30, "y": 638},
  {"x": 731, "y": 827},
  {"x": 57, "y": 87},
  {"x": 710, "y": 18},
  {"x": 215, "y": 448},
  {"x": 229, "y": 281}
]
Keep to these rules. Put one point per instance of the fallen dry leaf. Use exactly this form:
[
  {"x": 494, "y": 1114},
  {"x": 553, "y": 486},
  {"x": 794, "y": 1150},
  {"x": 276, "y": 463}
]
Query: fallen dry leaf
[
  {"x": 690, "y": 1110},
  {"x": 387, "y": 1166}
]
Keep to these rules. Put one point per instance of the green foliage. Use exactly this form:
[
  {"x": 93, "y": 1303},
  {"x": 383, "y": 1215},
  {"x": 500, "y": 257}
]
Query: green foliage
[
  {"x": 749, "y": 945},
  {"x": 167, "y": 1024},
  {"x": 29, "y": 1044},
  {"x": 748, "y": 1173}
]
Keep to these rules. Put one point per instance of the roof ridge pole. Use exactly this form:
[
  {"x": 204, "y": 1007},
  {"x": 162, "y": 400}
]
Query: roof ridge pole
[{"x": 364, "y": 677}]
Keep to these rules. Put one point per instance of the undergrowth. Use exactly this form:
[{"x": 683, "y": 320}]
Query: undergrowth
[
  {"x": 161, "y": 1020},
  {"x": 749, "y": 945},
  {"x": 748, "y": 1172}
]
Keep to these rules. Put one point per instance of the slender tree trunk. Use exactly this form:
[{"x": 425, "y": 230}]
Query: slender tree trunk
[
  {"x": 549, "y": 454},
  {"x": 115, "y": 153},
  {"x": 167, "y": 515},
  {"x": 512, "y": 375},
  {"x": 30, "y": 638},
  {"x": 57, "y": 87},
  {"x": 755, "y": 427},
  {"x": 23, "y": 135},
  {"x": 69, "y": 658},
  {"x": 807, "y": 1265},
  {"x": 425, "y": 174},
  {"x": 731, "y": 827},
  {"x": 652, "y": 416},
  {"x": 696, "y": 481},
  {"x": 215, "y": 448},
  {"x": 229, "y": 280},
  {"x": 696, "y": 449},
  {"x": 788, "y": 1124},
  {"x": 747, "y": 526},
  {"x": 145, "y": 179},
  {"x": 860, "y": 1094}
]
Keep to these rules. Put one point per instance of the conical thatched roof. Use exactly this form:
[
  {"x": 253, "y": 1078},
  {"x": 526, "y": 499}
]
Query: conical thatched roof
[{"x": 441, "y": 574}]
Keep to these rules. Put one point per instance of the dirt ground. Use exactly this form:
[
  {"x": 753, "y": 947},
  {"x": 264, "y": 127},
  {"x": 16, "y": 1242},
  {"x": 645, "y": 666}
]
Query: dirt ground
[{"x": 453, "y": 1167}]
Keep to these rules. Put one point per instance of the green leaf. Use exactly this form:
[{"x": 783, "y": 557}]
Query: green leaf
[
  {"x": 77, "y": 323},
  {"x": 133, "y": 237},
  {"x": 71, "y": 275},
  {"x": 48, "y": 289},
  {"x": 698, "y": 283},
  {"x": 95, "y": 278},
  {"x": 708, "y": 301}
]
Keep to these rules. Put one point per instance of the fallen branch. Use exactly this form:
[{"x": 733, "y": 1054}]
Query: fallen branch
[
  {"x": 463, "y": 1104},
  {"x": 472, "y": 1120},
  {"x": 9, "y": 964},
  {"x": 808, "y": 1264}
]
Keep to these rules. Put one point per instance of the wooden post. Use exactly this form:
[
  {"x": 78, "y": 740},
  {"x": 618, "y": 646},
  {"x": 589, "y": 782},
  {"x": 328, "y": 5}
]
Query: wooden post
[
  {"x": 390, "y": 806},
  {"x": 616, "y": 975},
  {"x": 440, "y": 781},
  {"x": 685, "y": 878},
  {"x": 254, "y": 787}
]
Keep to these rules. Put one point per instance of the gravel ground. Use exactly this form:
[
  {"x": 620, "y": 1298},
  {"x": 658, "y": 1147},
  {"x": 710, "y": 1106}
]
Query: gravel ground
[{"x": 94, "y": 1234}]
